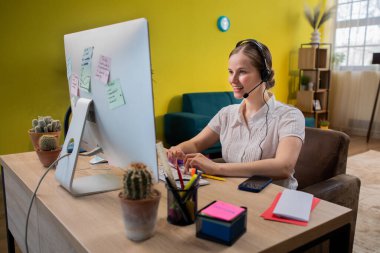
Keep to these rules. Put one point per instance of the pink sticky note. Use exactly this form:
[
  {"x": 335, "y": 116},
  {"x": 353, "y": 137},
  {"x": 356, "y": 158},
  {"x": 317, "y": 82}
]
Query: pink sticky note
[
  {"x": 103, "y": 69},
  {"x": 74, "y": 85},
  {"x": 222, "y": 210}
]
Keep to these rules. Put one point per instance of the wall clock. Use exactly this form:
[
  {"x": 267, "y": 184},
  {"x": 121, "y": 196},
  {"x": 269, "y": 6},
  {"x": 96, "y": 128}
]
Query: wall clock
[{"x": 223, "y": 23}]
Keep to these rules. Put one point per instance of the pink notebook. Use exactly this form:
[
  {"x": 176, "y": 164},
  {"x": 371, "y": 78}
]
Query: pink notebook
[{"x": 222, "y": 210}]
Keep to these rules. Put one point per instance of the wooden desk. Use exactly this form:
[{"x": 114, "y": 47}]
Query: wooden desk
[{"x": 62, "y": 223}]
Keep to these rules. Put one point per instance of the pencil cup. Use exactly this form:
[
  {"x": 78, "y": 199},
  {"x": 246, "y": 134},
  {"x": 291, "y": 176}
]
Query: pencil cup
[{"x": 182, "y": 205}]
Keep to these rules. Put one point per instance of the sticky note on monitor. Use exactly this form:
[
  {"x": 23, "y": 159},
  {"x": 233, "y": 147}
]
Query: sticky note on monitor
[
  {"x": 103, "y": 69},
  {"x": 74, "y": 84},
  {"x": 115, "y": 96},
  {"x": 69, "y": 67},
  {"x": 85, "y": 69}
]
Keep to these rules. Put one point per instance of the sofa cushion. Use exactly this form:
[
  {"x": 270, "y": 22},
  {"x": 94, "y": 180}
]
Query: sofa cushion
[{"x": 207, "y": 103}]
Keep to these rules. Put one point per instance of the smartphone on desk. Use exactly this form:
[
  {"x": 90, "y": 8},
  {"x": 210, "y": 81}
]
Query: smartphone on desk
[{"x": 255, "y": 183}]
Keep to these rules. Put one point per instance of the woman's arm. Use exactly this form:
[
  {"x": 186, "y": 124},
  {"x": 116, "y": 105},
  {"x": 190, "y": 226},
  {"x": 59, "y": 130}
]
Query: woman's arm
[
  {"x": 205, "y": 139},
  {"x": 277, "y": 168}
]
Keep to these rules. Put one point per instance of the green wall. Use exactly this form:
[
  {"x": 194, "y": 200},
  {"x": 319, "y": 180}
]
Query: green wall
[{"x": 189, "y": 54}]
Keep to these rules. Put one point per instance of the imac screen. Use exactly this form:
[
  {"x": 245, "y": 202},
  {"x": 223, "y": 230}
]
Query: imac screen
[{"x": 111, "y": 66}]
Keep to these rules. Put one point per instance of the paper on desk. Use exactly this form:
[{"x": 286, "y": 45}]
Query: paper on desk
[
  {"x": 268, "y": 214},
  {"x": 175, "y": 174}
]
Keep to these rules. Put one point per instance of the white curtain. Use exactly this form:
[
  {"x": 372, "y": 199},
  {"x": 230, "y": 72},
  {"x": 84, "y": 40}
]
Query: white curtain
[{"x": 352, "y": 97}]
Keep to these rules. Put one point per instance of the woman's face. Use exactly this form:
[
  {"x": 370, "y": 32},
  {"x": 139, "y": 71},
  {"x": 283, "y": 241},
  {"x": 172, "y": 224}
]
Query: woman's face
[{"x": 243, "y": 76}]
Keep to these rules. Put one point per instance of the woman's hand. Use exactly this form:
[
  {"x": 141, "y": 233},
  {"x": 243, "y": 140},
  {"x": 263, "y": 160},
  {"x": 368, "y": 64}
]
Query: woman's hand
[
  {"x": 174, "y": 153},
  {"x": 201, "y": 162}
]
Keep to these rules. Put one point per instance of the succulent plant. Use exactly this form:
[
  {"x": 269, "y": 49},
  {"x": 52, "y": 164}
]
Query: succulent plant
[
  {"x": 48, "y": 142},
  {"x": 44, "y": 124},
  {"x": 137, "y": 182},
  {"x": 324, "y": 123}
]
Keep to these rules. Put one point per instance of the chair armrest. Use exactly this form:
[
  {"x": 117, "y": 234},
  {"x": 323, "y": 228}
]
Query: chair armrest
[
  {"x": 343, "y": 190},
  {"x": 182, "y": 126}
]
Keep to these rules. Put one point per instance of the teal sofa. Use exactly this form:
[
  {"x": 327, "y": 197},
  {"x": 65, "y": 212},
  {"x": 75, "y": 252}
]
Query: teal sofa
[{"x": 197, "y": 111}]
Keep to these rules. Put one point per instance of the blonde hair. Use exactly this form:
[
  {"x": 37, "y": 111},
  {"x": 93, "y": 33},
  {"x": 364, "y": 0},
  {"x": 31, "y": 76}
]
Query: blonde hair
[{"x": 251, "y": 50}]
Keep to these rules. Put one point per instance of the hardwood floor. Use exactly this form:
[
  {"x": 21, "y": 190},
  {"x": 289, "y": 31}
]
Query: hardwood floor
[{"x": 357, "y": 145}]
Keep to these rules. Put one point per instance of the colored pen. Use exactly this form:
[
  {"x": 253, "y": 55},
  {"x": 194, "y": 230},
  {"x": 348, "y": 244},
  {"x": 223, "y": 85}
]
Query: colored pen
[
  {"x": 213, "y": 177},
  {"x": 180, "y": 176}
]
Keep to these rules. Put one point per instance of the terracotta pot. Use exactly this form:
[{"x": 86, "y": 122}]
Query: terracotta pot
[
  {"x": 35, "y": 137},
  {"x": 324, "y": 127},
  {"x": 140, "y": 216},
  {"x": 48, "y": 157}
]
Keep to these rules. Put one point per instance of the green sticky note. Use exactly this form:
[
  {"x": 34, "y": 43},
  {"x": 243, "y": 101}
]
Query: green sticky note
[
  {"x": 85, "y": 77},
  {"x": 85, "y": 69},
  {"x": 115, "y": 94}
]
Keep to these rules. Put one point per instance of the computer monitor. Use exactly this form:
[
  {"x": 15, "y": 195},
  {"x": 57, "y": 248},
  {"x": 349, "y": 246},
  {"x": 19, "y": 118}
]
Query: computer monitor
[{"x": 114, "y": 108}]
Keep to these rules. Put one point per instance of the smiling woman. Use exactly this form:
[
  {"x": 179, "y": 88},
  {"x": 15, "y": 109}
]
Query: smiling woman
[{"x": 260, "y": 136}]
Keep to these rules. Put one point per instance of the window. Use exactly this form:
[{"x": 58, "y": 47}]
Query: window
[{"x": 357, "y": 33}]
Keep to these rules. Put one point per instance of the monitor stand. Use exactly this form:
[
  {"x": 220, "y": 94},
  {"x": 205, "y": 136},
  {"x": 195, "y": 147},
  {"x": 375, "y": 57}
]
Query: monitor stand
[{"x": 66, "y": 166}]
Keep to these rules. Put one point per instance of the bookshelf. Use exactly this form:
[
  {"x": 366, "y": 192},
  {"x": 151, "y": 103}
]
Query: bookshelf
[{"x": 314, "y": 63}]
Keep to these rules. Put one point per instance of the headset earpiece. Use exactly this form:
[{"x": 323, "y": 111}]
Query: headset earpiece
[{"x": 266, "y": 72}]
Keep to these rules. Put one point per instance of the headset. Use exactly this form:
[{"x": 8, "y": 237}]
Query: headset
[
  {"x": 266, "y": 72},
  {"x": 265, "y": 76}
]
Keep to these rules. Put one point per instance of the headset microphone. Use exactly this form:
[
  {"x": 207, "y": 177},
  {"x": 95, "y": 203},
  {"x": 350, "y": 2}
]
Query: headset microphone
[{"x": 247, "y": 94}]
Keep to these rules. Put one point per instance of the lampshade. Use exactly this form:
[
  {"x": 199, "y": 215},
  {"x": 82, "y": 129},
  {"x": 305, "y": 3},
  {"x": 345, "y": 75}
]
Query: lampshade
[{"x": 376, "y": 58}]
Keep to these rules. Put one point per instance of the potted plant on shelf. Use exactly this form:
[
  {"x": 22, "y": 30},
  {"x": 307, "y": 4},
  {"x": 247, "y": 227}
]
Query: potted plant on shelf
[
  {"x": 139, "y": 202},
  {"x": 324, "y": 124},
  {"x": 48, "y": 149},
  {"x": 304, "y": 82},
  {"x": 44, "y": 125}
]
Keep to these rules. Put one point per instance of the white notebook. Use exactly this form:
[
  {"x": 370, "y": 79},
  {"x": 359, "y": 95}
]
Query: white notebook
[{"x": 294, "y": 205}]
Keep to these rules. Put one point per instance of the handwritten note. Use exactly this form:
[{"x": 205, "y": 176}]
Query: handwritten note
[
  {"x": 115, "y": 94},
  {"x": 222, "y": 210},
  {"x": 69, "y": 67},
  {"x": 85, "y": 70},
  {"x": 103, "y": 69},
  {"x": 74, "y": 84}
]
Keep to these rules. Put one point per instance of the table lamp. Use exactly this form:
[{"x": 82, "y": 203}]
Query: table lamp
[{"x": 375, "y": 60}]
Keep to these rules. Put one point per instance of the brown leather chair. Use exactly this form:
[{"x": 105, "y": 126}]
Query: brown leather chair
[{"x": 321, "y": 170}]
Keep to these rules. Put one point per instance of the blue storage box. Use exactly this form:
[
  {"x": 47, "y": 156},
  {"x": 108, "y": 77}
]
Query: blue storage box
[
  {"x": 309, "y": 122},
  {"x": 221, "y": 231}
]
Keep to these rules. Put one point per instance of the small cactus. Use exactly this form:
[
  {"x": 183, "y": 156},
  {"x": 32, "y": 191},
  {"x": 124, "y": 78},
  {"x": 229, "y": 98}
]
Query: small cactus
[
  {"x": 48, "y": 142},
  {"x": 44, "y": 124},
  {"x": 137, "y": 182}
]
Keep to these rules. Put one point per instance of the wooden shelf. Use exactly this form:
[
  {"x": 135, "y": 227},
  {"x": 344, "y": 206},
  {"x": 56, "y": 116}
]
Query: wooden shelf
[{"x": 314, "y": 63}]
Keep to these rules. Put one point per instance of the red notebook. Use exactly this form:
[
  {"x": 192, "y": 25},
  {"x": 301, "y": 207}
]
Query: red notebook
[{"x": 268, "y": 214}]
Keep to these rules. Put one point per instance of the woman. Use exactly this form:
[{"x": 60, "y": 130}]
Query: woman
[{"x": 261, "y": 136}]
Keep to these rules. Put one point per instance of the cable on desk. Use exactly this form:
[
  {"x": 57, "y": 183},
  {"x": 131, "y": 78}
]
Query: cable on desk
[{"x": 34, "y": 196}]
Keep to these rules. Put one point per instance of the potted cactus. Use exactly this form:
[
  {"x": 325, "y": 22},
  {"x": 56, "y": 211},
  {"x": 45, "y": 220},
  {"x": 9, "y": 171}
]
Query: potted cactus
[
  {"x": 139, "y": 202},
  {"x": 44, "y": 125},
  {"x": 48, "y": 149}
]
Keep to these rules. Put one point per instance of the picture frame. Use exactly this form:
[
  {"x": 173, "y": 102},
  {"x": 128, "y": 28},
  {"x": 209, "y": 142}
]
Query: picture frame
[{"x": 317, "y": 105}]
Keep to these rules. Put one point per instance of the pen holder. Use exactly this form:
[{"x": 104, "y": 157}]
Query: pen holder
[{"x": 182, "y": 205}]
